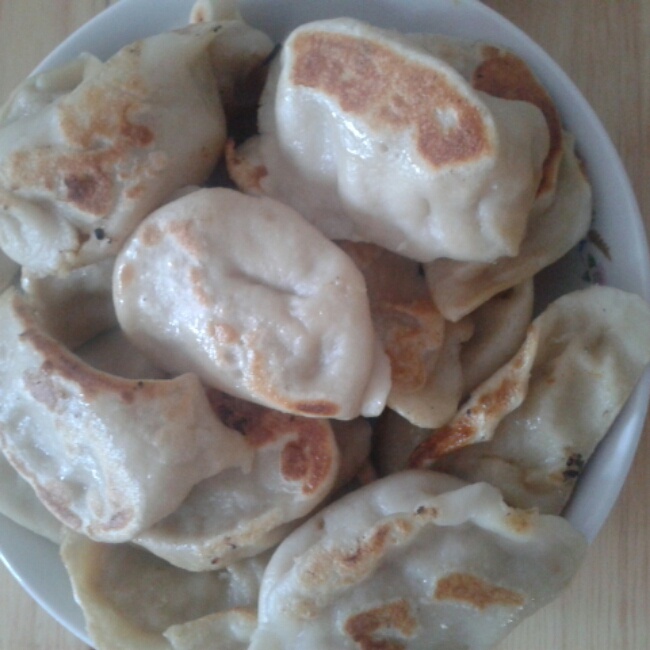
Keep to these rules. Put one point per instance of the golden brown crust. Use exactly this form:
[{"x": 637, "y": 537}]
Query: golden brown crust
[
  {"x": 307, "y": 457},
  {"x": 477, "y": 593},
  {"x": 503, "y": 74},
  {"x": 246, "y": 176},
  {"x": 393, "y": 94},
  {"x": 369, "y": 629}
]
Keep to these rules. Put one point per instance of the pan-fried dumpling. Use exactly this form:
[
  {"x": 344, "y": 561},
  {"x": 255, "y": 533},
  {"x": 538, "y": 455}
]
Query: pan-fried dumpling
[
  {"x": 500, "y": 327},
  {"x": 237, "y": 513},
  {"x": 501, "y": 73},
  {"x": 458, "y": 288},
  {"x": 592, "y": 348},
  {"x": 75, "y": 307},
  {"x": 426, "y": 374},
  {"x": 414, "y": 561},
  {"x": 298, "y": 462},
  {"x": 108, "y": 456},
  {"x": 131, "y": 598},
  {"x": 250, "y": 296},
  {"x": 371, "y": 138},
  {"x": 78, "y": 175}
]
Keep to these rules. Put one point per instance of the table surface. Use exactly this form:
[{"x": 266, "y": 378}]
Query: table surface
[{"x": 602, "y": 44}]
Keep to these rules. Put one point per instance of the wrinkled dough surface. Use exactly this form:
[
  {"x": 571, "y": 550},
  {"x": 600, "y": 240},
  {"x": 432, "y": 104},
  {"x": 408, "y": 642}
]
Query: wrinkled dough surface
[
  {"x": 77, "y": 306},
  {"x": 78, "y": 175},
  {"x": 247, "y": 294},
  {"x": 108, "y": 456},
  {"x": 237, "y": 513},
  {"x": 347, "y": 141},
  {"x": 592, "y": 347},
  {"x": 417, "y": 560}
]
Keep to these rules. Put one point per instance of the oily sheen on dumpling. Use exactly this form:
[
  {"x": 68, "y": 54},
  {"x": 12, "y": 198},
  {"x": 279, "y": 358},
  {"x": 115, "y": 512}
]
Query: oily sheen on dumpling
[
  {"x": 77, "y": 175},
  {"x": 238, "y": 513},
  {"x": 372, "y": 138},
  {"x": 132, "y": 599},
  {"x": 106, "y": 455},
  {"x": 414, "y": 561},
  {"x": 589, "y": 349},
  {"x": 250, "y": 296},
  {"x": 110, "y": 352}
]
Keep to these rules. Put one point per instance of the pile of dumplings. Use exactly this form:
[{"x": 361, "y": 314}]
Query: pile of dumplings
[{"x": 282, "y": 387}]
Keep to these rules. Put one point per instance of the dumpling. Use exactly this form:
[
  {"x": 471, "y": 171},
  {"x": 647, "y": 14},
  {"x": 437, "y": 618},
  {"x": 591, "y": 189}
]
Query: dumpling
[
  {"x": 250, "y": 296},
  {"x": 409, "y": 326},
  {"x": 108, "y": 456},
  {"x": 132, "y": 599},
  {"x": 501, "y": 73},
  {"x": 237, "y": 513},
  {"x": 459, "y": 288},
  {"x": 75, "y": 307},
  {"x": 590, "y": 348},
  {"x": 371, "y": 138},
  {"x": 436, "y": 401},
  {"x": 110, "y": 352},
  {"x": 78, "y": 175},
  {"x": 415, "y": 561}
]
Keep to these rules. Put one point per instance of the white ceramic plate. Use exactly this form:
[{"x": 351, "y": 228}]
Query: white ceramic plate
[{"x": 35, "y": 562}]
